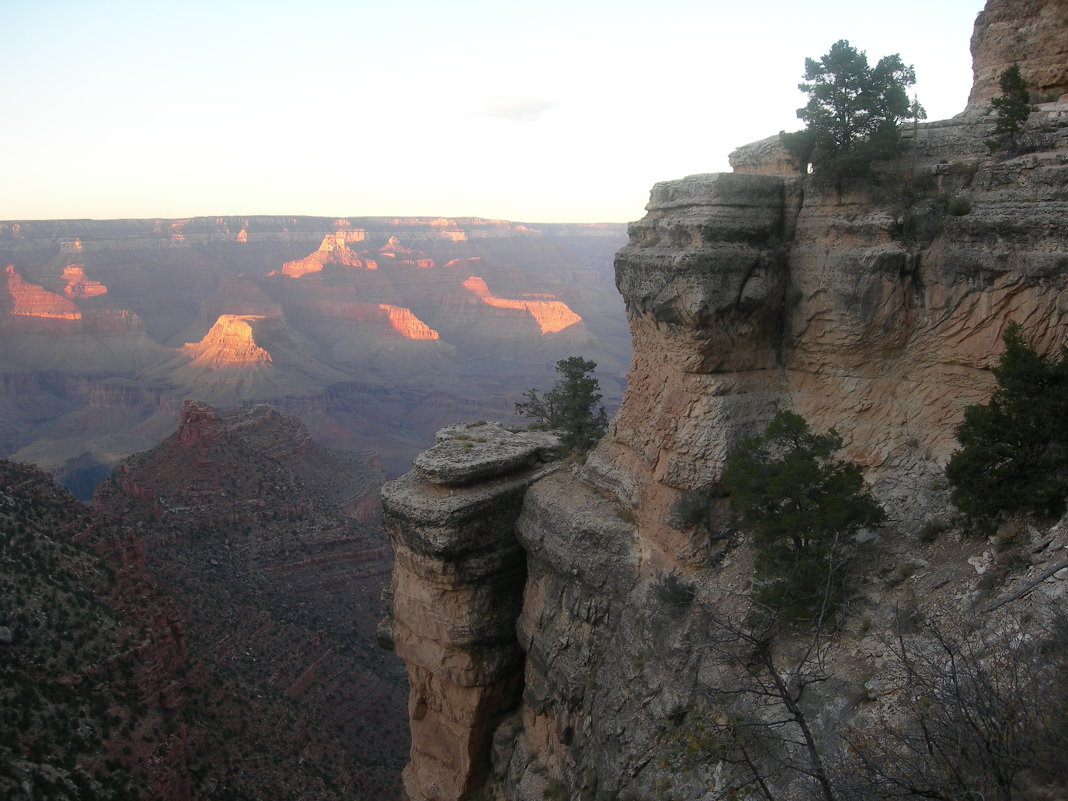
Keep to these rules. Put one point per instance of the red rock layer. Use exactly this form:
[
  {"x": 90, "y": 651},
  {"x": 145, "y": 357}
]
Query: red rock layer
[
  {"x": 407, "y": 324},
  {"x": 550, "y": 315},
  {"x": 78, "y": 286},
  {"x": 333, "y": 250},
  {"x": 24, "y": 299}
]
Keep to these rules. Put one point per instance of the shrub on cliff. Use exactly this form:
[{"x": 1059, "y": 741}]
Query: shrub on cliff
[
  {"x": 853, "y": 111},
  {"x": 1014, "y": 449},
  {"x": 802, "y": 507},
  {"x": 569, "y": 405}
]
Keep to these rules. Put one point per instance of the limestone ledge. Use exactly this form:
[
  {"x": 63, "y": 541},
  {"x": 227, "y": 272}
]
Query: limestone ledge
[{"x": 467, "y": 453}]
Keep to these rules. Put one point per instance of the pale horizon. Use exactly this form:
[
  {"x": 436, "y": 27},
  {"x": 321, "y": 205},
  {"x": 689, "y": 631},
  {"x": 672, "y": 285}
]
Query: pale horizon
[{"x": 563, "y": 112}]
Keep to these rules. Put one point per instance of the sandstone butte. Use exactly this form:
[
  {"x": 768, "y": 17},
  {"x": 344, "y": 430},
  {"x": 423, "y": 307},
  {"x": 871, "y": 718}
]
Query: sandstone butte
[
  {"x": 78, "y": 285},
  {"x": 545, "y": 657},
  {"x": 229, "y": 343}
]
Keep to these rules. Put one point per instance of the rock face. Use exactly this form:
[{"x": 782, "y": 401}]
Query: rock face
[
  {"x": 23, "y": 299},
  {"x": 457, "y": 588},
  {"x": 1033, "y": 33},
  {"x": 874, "y": 307}
]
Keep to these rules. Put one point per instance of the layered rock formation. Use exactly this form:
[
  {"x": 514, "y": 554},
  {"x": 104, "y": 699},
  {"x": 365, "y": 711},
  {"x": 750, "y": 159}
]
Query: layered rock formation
[
  {"x": 23, "y": 299},
  {"x": 457, "y": 588},
  {"x": 867, "y": 307},
  {"x": 1031, "y": 32}
]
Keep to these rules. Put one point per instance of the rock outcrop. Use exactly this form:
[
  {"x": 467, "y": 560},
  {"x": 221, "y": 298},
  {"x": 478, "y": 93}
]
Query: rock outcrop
[
  {"x": 1032, "y": 33},
  {"x": 23, "y": 299},
  {"x": 874, "y": 307},
  {"x": 457, "y": 589}
]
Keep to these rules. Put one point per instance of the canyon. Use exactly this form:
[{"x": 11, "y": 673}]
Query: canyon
[
  {"x": 374, "y": 331},
  {"x": 558, "y": 617},
  {"x": 206, "y": 629}
]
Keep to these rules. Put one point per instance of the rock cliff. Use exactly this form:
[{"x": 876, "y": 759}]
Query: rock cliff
[{"x": 874, "y": 307}]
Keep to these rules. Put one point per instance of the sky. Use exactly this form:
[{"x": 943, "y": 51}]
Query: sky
[{"x": 555, "y": 111}]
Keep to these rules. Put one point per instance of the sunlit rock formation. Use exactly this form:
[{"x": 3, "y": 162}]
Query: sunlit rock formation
[
  {"x": 393, "y": 249},
  {"x": 333, "y": 250},
  {"x": 229, "y": 343},
  {"x": 551, "y": 315},
  {"x": 360, "y": 326},
  {"x": 23, "y": 299},
  {"x": 407, "y": 324},
  {"x": 78, "y": 285}
]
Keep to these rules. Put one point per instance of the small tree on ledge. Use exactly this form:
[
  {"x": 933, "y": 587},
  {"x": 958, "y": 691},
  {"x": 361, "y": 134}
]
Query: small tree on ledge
[
  {"x": 1013, "y": 108},
  {"x": 569, "y": 405}
]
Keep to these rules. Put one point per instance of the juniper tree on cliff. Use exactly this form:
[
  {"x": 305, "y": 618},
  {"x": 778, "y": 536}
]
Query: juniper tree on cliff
[
  {"x": 853, "y": 110},
  {"x": 569, "y": 405},
  {"x": 1014, "y": 449},
  {"x": 1012, "y": 107},
  {"x": 802, "y": 507}
]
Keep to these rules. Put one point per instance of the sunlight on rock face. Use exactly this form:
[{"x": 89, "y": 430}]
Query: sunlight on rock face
[
  {"x": 32, "y": 300},
  {"x": 78, "y": 286},
  {"x": 229, "y": 343},
  {"x": 407, "y": 324},
  {"x": 334, "y": 249},
  {"x": 393, "y": 249},
  {"x": 550, "y": 315}
]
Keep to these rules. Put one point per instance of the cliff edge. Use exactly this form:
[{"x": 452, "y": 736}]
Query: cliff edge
[{"x": 873, "y": 307}]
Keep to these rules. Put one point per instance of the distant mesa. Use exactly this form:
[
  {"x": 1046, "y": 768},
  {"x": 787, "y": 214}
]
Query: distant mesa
[
  {"x": 334, "y": 249},
  {"x": 449, "y": 229},
  {"x": 78, "y": 286},
  {"x": 229, "y": 343},
  {"x": 407, "y": 324},
  {"x": 24, "y": 299},
  {"x": 393, "y": 249},
  {"x": 550, "y": 315}
]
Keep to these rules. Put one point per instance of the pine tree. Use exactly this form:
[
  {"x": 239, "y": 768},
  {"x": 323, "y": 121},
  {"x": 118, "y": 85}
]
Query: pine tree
[
  {"x": 801, "y": 506},
  {"x": 1013, "y": 108},
  {"x": 853, "y": 110},
  {"x": 569, "y": 405},
  {"x": 1014, "y": 449}
]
